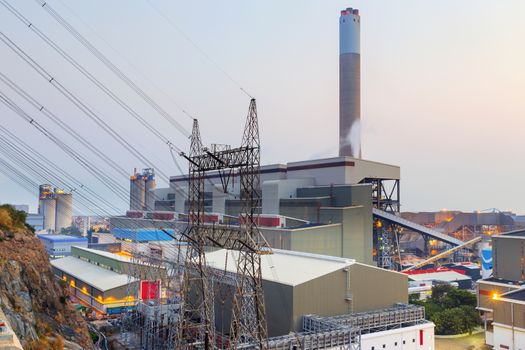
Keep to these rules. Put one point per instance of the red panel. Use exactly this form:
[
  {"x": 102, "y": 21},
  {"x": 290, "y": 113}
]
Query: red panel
[
  {"x": 164, "y": 216},
  {"x": 485, "y": 292},
  {"x": 150, "y": 290},
  {"x": 420, "y": 337},
  {"x": 438, "y": 269},
  {"x": 269, "y": 222},
  {"x": 264, "y": 221}
]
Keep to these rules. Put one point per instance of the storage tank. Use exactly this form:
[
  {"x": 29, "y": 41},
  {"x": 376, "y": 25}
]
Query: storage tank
[
  {"x": 44, "y": 191},
  {"x": 350, "y": 83},
  {"x": 149, "y": 182},
  {"x": 64, "y": 210},
  {"x": 48, "y": 210}
]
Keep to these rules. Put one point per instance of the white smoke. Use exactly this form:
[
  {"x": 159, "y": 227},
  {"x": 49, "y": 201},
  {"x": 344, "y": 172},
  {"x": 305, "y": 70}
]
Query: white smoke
[{"x": 353, "y": 139}]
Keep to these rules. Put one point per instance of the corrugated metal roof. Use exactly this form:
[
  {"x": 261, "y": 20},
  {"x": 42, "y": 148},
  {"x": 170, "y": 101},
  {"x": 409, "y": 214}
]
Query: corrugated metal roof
[
  {"x": 446, "y": 276},
  {"x": 142, "y": 235},
  {"x": 61, "y": 238},
  {"x": 96, "y": 276},
  {"x": 109, "y": 255},
  {"x": 284, "y": 266}
]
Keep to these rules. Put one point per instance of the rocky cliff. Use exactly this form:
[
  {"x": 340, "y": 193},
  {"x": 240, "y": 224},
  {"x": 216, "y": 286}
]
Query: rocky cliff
[{"x": 31, "y": 298}]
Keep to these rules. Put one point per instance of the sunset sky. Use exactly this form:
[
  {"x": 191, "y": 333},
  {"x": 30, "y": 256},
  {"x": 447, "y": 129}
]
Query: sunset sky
[{"x": 443, "y": 86}]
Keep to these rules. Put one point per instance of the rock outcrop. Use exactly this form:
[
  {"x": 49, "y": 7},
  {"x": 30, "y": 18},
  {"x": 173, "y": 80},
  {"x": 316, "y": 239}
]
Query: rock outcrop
[{"x": 32, "y": 299}]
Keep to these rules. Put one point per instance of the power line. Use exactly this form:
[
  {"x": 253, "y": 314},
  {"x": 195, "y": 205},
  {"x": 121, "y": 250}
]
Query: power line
[
  {"x": 28, "y": 152},
  {"x": 88, "y": 75},
  {"x": 125, "y": 59},
  {"x": 57, "y": 121},
  {"x": 100, "y": 56},
  {"x": 79, "y": 103},
  {"x": 105, "y": 179},
  {"x": 197, "y": 47}
]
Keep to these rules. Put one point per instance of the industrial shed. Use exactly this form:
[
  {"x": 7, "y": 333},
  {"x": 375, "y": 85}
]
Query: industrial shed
[
  {"x": 102, "y": 289},
  {"x": 297, "y": 284}
]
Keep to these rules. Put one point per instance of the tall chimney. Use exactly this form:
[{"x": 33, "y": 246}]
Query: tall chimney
[{"x": 349, "y": 83}]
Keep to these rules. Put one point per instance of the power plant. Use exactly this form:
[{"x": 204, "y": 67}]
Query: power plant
[
  {"x": 56, "y": 208},
  {"x": 279, "y": 256}
]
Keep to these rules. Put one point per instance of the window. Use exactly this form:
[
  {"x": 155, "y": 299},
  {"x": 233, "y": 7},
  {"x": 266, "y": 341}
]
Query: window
[
  {"x": 413, "y": 340},
  {"x": 404, "y": 342},
  {"x": 373, "y": 347},
  {"x": 384, "y": 346},
  {"x": 395, "y": 344}
]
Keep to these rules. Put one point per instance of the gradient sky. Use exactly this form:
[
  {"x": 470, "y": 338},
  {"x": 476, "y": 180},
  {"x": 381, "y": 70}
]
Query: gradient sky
[{"x": 443, "y": 86}]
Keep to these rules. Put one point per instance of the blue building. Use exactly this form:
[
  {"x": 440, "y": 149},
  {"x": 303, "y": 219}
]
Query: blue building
[
  {"x": 142, "y": 235},
  {"x": 59, "y": 246}
]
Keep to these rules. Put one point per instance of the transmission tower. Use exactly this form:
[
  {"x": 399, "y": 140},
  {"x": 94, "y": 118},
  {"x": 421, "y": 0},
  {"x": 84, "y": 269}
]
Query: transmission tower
[{"x": 248, "y": 324}]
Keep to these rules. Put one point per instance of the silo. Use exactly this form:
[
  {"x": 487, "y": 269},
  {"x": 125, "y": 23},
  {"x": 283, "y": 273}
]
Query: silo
[
  {"x": 49, "y": 212},
  {"x": 149, "y": 182},
  {"x": 349, "y": 83},
  {"x": 136, "y": 192},
  {"x": 44, "y": 191},
  {"x": 64, "y": 211}
]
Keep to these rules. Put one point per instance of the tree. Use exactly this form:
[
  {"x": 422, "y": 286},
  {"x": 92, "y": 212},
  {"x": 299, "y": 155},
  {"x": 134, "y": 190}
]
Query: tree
[{"x": 452, "y": 310}]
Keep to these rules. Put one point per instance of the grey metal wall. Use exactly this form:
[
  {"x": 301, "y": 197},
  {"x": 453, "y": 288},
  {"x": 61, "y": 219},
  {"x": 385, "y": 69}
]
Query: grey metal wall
[
  {"x": 324, "y": 296},
  {"x": 373, "y": 288},
  {"x": 509, "y": 257},
  {"x": 279, "y": 307},
  {"x": 325, "y": 239}
]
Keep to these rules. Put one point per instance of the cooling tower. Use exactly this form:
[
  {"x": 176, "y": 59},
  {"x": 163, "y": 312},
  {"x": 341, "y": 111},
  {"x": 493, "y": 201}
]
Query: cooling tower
[
  {"x": 349, "y": 83},
  {"x": 48, "y": 210},
  {"x": 64, "y": 211}
]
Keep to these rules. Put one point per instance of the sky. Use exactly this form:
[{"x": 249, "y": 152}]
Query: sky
[{"x": 442, "y": 96}]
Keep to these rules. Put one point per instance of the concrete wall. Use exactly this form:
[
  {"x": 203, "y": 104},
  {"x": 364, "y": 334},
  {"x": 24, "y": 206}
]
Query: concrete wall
[
  {"x": 418, "y": 337},
  {"x": 506, "y": 338},
  {"x": 373, "y": 288}
]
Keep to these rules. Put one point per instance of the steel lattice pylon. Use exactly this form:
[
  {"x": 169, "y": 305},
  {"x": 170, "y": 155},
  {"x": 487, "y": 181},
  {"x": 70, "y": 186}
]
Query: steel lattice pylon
[
  {"x": 197, "y": 294},
  {"x": 248, "y": 323}
]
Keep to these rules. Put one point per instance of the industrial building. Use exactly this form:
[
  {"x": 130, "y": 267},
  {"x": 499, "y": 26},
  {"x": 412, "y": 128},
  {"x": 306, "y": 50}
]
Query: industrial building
[
  {"x": 328, "y": 203},
  {"x": 318, "y": 218},
  {"x": 296, "y": 284},
  {"x": 107, "y": 282},
  {"x": 501, "y": 296},
  {"x": 59, "y": 246},
  {"x": 56, "y": 208}
]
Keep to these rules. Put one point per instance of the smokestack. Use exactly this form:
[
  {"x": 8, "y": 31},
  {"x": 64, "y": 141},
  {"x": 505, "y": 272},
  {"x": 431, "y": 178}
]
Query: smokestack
[{"x": 349, "y": 83}]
